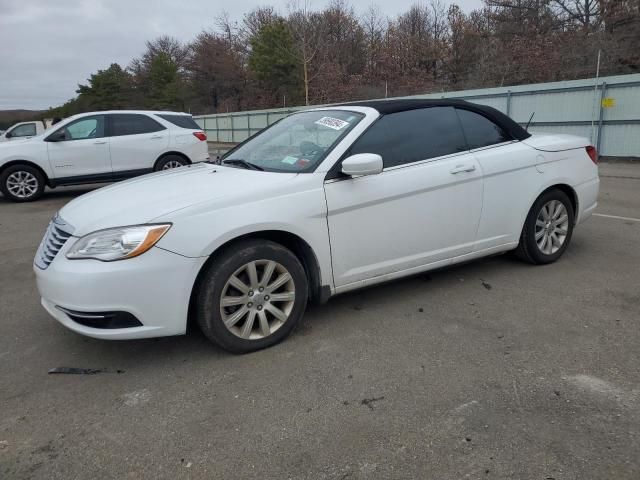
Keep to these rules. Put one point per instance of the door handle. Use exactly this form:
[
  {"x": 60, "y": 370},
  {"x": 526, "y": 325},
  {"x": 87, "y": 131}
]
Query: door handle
[
  {"x": 156, "y": 137},
  {"x": 462, "y": 168},
  {"x": 99, "y": 142}
]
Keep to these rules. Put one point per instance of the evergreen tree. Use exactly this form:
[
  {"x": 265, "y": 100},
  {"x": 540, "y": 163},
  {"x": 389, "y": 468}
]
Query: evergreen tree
[{"x": 272, "y": 59}]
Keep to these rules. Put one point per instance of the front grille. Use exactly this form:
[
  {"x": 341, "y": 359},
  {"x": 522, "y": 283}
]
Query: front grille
[{"x": 58, "y": 232}]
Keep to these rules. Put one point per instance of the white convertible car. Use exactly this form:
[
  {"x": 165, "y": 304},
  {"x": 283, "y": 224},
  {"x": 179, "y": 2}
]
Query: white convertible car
[{"x": 322, "y": 202}]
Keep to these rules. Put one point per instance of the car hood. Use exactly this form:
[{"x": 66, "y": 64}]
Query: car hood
[{"x": 165, "y": 194}]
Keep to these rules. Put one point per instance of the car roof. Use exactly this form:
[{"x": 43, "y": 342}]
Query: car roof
[
  {"x": 153, "y": 112},
  {"x": 146, "y": 112},
  {"x": 386, "y": 107}
]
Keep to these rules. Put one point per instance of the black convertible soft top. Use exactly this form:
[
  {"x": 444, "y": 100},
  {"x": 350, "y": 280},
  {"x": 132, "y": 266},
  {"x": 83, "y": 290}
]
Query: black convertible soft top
[{"x": 386, "y": 107}]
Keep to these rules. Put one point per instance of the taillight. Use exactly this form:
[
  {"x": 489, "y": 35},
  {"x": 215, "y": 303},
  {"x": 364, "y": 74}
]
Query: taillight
[
  {"x": 593, "y": 153},
  {"x": 200, "y": 136}
]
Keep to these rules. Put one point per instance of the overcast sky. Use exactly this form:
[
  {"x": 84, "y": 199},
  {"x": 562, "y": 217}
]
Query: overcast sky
[{"x": 47, "y": 47}]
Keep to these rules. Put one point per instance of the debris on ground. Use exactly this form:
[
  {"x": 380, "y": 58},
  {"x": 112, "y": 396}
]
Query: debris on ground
[
  {"x": 369, "y": 401},
  {"x": 486, "y": 285},
  {"x": 77, "y": 371}
]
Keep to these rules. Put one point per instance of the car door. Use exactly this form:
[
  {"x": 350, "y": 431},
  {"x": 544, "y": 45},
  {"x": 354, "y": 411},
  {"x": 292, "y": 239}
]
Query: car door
[
  {"x": 423, "y": 208},
  {"x": 136, "y": 142},
  {"x": 510, "y": 179},
  {"x": 80, "y": 149}
]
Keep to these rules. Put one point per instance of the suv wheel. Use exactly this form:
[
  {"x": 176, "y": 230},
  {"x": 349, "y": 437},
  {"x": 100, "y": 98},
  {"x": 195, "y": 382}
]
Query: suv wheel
[
  {"x": 22, "y": 183},
  {"x": 171, "y": 161},
  {"x": 548, "y": 228},
  {"x": 252, "y": 296}
]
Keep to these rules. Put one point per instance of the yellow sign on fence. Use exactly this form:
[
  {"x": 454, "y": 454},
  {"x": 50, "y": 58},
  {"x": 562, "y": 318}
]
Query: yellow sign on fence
[{"x": 608, "y": 102}]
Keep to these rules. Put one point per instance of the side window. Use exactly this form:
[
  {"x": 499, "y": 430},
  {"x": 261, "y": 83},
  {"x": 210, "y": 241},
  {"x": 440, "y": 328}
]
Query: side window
[
  {"x": 480, "y": 131},
  {"x": 414, "y": 135},
  {"x": 182, "y": 121},
  {"x": 85, "y": 128},
  {"x": 26, "y": 130},
  {"x": 132, "y": 124}
]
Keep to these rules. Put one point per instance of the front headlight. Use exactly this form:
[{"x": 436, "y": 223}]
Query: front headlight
[{"x": 117, "y": 243}]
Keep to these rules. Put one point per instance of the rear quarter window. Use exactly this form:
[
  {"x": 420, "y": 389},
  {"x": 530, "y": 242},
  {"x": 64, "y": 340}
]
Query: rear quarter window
[
  {"x": 133, "y": 124},
  {"x": 182, "y": 121},
  {"x": 480, "y": 131}
]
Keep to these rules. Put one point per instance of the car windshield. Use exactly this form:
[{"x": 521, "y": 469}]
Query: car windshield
[{"x": 297, "y": 143}]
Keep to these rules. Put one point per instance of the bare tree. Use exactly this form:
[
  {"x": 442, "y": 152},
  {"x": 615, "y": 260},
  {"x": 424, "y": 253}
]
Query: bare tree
[
  {"x": 307, "y": 31},
  {"x": 586, "y": 13}
]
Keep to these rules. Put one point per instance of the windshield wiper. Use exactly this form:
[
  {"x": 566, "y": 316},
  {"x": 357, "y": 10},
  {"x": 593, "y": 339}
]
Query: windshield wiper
[{"x": 243, "y": 163}]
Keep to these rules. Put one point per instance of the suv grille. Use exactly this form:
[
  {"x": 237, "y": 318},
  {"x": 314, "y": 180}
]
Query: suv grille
[{"x": 58, "y": 232}]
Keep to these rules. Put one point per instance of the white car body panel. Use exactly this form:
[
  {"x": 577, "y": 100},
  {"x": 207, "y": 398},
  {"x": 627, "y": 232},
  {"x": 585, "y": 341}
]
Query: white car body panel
[
  {"x": 362, "y": 230},
  {"x": 79, "y": 157},
  {"x": 28, "y": 150},
  {"x": 159, "y": 305},
  {"x": 428, "y": 215},
  {"x": 555, "y": 142},
  {"x": 137, "y": 152}
]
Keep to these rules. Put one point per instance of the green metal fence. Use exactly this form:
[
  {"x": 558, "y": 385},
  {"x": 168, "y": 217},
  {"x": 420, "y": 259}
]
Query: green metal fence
[{"x": 606, "y": 110}]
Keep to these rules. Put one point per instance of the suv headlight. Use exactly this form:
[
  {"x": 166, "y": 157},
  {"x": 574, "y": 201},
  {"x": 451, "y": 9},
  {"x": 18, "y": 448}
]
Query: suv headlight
[{"x": 118, "y": 243}]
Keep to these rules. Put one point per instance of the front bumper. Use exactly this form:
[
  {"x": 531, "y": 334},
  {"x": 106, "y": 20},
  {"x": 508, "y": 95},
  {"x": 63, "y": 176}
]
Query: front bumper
[{"x": 155, "y": 288}]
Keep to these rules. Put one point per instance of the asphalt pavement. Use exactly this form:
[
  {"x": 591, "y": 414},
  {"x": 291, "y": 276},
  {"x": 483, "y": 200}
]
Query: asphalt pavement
[{"x": 493, "y": 369}]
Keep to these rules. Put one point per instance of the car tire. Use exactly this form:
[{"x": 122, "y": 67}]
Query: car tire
[
  {"x": 169, "y": 162},
  {"x": 548, "y": 228},
  {"x": 22, "y": 183},
  {"x": 236, "y": 305}
]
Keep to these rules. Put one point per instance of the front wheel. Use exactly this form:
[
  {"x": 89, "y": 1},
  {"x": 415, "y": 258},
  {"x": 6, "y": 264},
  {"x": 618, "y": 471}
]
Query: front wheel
[
  {"x": 22, "y": 183},
  {"x": 548, "y": 228},
  {"x": 252, "y": 296}
]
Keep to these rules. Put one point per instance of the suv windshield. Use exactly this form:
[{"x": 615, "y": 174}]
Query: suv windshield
[{"x": 297, "y": 143}]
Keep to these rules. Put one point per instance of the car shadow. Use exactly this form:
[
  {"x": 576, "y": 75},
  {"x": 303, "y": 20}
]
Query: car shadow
[
  {"x": 170, "y": 352},
  {"x": 123, "y": 355}
]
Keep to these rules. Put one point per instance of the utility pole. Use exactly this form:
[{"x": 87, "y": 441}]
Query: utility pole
[{"x": 595, "y": 98}]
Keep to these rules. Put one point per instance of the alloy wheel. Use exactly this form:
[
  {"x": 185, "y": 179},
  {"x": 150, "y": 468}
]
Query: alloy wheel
[
  {"x": 257, "y": 299},
  {"x": 22, "y": 184},
  {"x": 552, "y": 227},
  {"x": 171, "y": 164}
]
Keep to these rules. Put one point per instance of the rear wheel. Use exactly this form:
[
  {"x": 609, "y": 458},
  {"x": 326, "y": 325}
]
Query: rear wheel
[
  {"x": 171, "y": 161},
  {"x": 548, "y": 228},
  {"x": 22, "y": 183},
  {"x": 252, "y": 296}
]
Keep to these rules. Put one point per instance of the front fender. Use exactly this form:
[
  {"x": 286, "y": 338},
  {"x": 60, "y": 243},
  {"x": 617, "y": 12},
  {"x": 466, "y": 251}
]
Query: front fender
[
  {"x": 34, "y": 153},
  {"x": 302, "y": 214}
]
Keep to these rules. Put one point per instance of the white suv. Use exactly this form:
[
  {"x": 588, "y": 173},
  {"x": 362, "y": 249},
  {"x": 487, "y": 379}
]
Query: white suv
[
  {"x": 322, "y": 202},
  {"x": 99, "y": 147}
]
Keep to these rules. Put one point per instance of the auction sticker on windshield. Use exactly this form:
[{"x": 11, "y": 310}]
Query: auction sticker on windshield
[{"x": 331, "y": 122}]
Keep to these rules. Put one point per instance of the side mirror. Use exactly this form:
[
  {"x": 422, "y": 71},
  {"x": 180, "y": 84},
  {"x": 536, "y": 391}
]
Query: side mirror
[
  {"x": 57, "y": 136},
  {"x": 362, "y": 164},
  {"x": 8, "y": 135}
]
